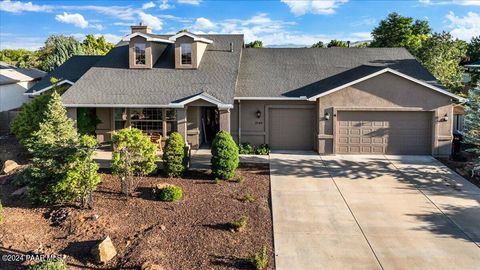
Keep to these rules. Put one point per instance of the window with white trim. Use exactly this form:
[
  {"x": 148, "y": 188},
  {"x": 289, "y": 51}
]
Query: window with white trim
[
  {"x": 186, "y": 53},
  {"x": 154, "y": 120},
  {"x": 139, "y": 53}
]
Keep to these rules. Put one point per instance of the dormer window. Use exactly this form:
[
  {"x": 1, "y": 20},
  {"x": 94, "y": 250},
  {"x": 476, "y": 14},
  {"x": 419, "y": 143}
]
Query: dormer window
[
  {"x": 186, "y": 49},
  {"x": 140, "y": 54}
]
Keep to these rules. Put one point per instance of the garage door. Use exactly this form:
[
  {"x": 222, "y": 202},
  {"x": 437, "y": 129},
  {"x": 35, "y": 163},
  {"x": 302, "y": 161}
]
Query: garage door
[
  {"x": 401, "y": 133},
  {"x": 291, "y": 129}
]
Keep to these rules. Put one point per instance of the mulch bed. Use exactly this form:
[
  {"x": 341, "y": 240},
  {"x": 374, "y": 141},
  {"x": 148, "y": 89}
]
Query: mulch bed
[
  {"x": 190, "y": 234},
  {"x": 463, "y": 166}
]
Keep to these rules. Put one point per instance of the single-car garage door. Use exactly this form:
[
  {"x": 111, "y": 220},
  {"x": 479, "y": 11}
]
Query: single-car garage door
[
  {"x": 401, "y": 133},
  {"x": 291, "y": 128}
]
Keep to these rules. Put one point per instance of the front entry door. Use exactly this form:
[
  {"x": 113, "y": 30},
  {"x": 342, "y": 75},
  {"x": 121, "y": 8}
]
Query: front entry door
[{"x": 210, "y": 124}]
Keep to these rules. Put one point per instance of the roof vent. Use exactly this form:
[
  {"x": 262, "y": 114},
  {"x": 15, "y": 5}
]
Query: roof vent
[{"x": 231, "y": 46}]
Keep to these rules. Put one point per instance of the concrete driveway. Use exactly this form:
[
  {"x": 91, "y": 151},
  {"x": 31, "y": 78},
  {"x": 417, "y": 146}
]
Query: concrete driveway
[{"x": 372, "y": 212}]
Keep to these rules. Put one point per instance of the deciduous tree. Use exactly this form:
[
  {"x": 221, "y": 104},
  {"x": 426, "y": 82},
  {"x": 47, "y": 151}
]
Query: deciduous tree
[{"x": 254, "y": 44}]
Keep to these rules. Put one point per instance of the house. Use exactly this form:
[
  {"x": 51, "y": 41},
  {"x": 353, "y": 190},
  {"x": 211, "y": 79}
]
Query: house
[
  {"x": 333, "y": 101},
  {"x": 14, "y": 82}
]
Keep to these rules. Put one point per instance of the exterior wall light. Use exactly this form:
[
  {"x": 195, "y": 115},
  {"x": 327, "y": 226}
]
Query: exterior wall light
[
  {"x": 445, "y": 118},
  {"x": 327, "y": 116},
  {"x": 259, "y": 113}
]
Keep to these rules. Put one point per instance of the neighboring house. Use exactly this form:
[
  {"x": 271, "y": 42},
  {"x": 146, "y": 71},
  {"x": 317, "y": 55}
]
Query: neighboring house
[
  {"x": 13, "y": 84},
  {"x": 333, "y": 101}
]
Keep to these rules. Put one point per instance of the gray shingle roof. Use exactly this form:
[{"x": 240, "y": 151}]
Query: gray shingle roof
[
  {"x": 110, "y": 81},
  {"x": 71, "y": 70},
  {"x": 11, "y": 74},
  {"x": 307, "y": 72}
]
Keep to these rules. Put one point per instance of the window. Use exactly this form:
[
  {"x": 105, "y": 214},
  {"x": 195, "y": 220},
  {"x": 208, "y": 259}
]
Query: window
[
  {"x": 154, "y": 120},
  {"x": 171, "y": 120},
  {"x": 139, "y": 53},
  {"x": 120, "y": 118},
  {"x": 186, "y": 49}
]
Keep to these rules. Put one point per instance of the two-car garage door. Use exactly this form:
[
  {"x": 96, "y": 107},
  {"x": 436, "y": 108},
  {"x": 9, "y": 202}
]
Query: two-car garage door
[{"x": 372, "y": 132}]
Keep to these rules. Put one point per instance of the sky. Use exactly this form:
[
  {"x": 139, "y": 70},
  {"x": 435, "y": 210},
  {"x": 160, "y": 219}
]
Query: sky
[{"x": 27, "y": 24}]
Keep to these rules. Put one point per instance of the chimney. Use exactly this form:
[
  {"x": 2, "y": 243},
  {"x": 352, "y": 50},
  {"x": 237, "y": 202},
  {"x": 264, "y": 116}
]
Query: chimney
[
  {"x": 141, "y": 28},
  {"x": 231, "y": 46}
]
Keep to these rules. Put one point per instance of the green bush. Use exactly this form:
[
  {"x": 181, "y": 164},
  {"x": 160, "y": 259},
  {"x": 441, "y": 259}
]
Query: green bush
[
  {"x": 260, "y": 260},
  {"x": 240, "y": 224},
  {"x": 262, "y": 149},
  {"x": 239, "y": 179},
  {"x": 224, "y": 156},
  {"x": 87, "y": 120},
  {"x": 170, "y": 193},
  {"x": 246, "y": 149},
  {"x": 49, "y": 265},
  {"x": 1, "y": 213},
  {"x": 249, "y": 198},
  {"x": 174, "y": 158},
  {"x": 133, "y": 152}
]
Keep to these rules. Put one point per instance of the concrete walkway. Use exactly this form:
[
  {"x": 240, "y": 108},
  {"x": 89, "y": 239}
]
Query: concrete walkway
[{"x": 372, "y": 212}]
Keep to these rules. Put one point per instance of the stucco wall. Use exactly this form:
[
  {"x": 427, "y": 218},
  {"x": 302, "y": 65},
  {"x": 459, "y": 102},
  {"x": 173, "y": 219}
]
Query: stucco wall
[
  {"x": 11, "y": 95},
  {"x": 105, "y": 128},
  {"x": 390, "y": 92},
  {"x": 253, "y": 129}
]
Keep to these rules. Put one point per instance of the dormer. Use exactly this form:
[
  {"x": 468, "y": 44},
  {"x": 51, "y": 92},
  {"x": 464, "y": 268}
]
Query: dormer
[
  {"x": 189, "y": 50},
  {"x": 144, "y": 47}
]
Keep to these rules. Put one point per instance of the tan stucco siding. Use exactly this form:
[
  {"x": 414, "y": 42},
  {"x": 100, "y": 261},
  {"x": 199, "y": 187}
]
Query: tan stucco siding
[
  {"x": 105, "y": 128},
  {"x": 387, "y": 92},
  {"x": 253, "y": 129},
  {"x": 193, "y": 126}
]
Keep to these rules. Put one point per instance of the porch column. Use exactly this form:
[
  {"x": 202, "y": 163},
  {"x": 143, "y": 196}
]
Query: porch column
[
  {"x": 225, "y": 120},
  {"x": 182, "y": 122}
]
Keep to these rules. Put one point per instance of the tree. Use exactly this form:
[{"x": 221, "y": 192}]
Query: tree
[
  {"x": 472, "y": 123},
  {"x": 399, "y": 31},
  {"x": 254, "y": 44},
  {"x": 87, "y": 120},
  {"x": 133, "y": 154},
  {"x": 96, "y": 46},
  {"x": 319, "y": 44},
  {"x": 32, "y": 114},
  {"x": 20, "y": 58},
  {"x": 224, "y": 156},
  {"x": 174, "y": 158},
  {"x": 57, "y": 50},
  {"x": 473, "y": 49},
  {"x": 441, "y": 55},
  {"x": 53, "y": 149},
  {"x": 337, "y": 43}
]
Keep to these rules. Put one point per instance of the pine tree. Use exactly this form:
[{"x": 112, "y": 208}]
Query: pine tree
[
  {"x": 472, "y": 122},
  {"x": 53, "y": 150}
]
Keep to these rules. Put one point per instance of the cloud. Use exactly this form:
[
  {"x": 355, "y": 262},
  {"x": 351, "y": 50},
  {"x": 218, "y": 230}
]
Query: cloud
[
  {"x": 302, "y": 7},
  {"x": 148, "y": 5},
  {"x": 17, "y": 7},
  {"x": 21, "y": 42},
  {"x": 451, "y": 2},
  {"x": 464, "y": 27},
  {"x": 151, "y": 21},
  {"x": 164, "y": 5},
  {"x": 189, "y": 2},
  {"x": 74, "y": 18},
  {"x": 109, "y": 37},
  {"x": 203, "y": 24},
  {"x": 126, "y": 13}
]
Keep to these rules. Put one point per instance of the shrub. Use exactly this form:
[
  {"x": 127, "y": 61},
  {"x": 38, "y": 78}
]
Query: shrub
[
  {"x": 245, "y": 149},
  {"x": 1, "y": 213},
  {"x": 174, "y": 158},
  {"x": 262, "y": 149},
  {"x": 133, "y": 154},
  {"x": 249, "y": 198},
  {"x": 224, "y": 156},
  {"x": 260, "y": 260},
  {"x": 240, "y": 224},
  {"x": 170, "y": 193},
  {"x": 49, "y": 265},
  {"x": 87, "y": 120},
  {"x": 239, "y": 179},
  {"x": 53, "y": 147}
]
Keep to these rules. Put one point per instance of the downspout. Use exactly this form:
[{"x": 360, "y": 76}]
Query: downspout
[{"x": 239, "y": 122}]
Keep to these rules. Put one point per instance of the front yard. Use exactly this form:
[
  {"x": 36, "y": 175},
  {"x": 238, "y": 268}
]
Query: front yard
[{"x": 193, "y": 233}]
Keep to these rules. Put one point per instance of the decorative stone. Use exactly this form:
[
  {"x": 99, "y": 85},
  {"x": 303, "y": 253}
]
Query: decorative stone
[
  {"x": 9, "y": 166},
  {"x": 163, "y": 228},
  {"x": 152, "y": 266},
  {"x": 20, "y": 192},
  {"x": 104, "y": 251}
]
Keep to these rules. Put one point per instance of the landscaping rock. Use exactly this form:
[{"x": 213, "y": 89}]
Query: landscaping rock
[
  {"x": 9, "y": 166},
  {"x": 152, "y": 266},
  {"x": 104, "y": 251},
  {"x": 20, "y": 192},
  {"x": 162, "y": 227}
]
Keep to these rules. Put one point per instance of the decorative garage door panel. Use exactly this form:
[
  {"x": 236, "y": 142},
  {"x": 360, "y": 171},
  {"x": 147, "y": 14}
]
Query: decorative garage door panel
[
  {"x": 291, "y": 128},
  {"x": 384, "y": 133}
]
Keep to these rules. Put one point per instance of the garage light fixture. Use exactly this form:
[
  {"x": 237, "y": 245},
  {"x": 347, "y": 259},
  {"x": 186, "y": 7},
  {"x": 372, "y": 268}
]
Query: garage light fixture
[
  {"x": 327, "y": 116},
  {"x": 445, "y": 118},
  {"x": 259, "y": 113}
]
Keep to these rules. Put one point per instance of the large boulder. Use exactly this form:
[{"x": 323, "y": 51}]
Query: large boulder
[
  {"x": 104, "y": 251},
  {"x": 9, "y": 166}
]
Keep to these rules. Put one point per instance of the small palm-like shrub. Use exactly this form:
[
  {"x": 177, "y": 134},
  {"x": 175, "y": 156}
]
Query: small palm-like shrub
[
  {"x": 224, "y": 156},
  {"x": 262, "y": 149},
  {"x": 170, "y": 193},
  {"x": 240, "y": 224},
  {"x": 174, "y": 158},
  {"x": 260, "y": 260},
  {"x": 245, "y": 149},
  {"x": 1, "y": 213},
  {"x": 49, "y": 265},
  {"x": 249, "y": 198}
]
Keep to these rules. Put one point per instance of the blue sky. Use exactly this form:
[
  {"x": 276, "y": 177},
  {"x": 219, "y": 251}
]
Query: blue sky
[{"x": 26, "y": 24}]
